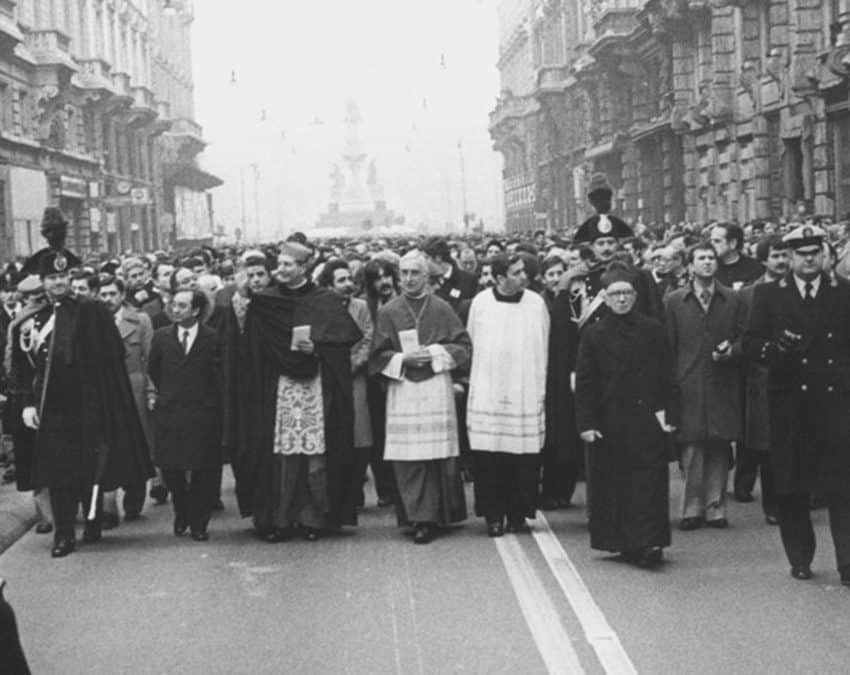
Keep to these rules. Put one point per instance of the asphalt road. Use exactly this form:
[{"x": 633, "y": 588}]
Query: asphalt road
[{"x": 369, "y": 601}]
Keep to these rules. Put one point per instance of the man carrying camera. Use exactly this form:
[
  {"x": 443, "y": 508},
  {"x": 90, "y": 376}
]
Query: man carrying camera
[{"x": 800, "y": 328}]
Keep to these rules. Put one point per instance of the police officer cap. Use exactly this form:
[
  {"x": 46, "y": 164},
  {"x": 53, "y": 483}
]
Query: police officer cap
[
  {"x": 29, "y": 284},
  {"x": 602, "y": 225},
  {"x": 805, "y": 235},
  {"x": 53, "y": 262}
]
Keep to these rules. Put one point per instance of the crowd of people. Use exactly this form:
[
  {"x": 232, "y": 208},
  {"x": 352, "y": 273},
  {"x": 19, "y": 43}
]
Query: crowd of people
[{"x": 522, "y": 364}]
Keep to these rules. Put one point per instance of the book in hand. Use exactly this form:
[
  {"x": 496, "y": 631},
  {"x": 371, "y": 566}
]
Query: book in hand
[
  {"x": 299, "y": 334},
  {"x": 409, "y": 340}
]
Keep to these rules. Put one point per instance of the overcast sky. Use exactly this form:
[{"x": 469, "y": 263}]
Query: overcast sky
[{"x": 297, "y": 61}]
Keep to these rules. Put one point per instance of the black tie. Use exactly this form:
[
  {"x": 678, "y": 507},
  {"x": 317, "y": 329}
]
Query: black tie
[
  {"x": 185, "y": 342},
  {"x": 809, "y": 297}
]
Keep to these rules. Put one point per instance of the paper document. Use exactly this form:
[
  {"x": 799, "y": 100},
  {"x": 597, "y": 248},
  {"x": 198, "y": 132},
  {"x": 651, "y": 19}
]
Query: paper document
[
  {"x": 409, "y": 340},
  {"x": 299, "y": 333}
]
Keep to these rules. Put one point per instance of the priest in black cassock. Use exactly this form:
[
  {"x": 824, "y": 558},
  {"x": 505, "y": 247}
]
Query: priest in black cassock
[
  {"x": 623, "y": 389},
  {"x": 297, "y": 467}
]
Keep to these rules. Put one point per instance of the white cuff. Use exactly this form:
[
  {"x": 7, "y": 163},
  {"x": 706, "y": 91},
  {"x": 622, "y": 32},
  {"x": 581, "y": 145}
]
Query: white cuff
[{"x": 441, "y": 360}]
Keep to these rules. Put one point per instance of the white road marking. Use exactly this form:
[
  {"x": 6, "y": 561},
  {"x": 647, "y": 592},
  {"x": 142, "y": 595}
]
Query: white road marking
[
  {"x": 599, "y": 633},
  {"x": 553, "y": 642}
]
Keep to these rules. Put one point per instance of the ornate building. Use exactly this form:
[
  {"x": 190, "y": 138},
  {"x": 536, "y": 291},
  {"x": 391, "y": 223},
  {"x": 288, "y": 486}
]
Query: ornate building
[
  {"x": 96, "y": 118},
  {"x": 694, "y": 109}
]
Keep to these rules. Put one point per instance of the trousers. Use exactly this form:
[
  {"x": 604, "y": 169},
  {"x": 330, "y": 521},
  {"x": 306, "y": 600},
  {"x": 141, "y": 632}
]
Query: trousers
[
  {"x": 706, "y": 468},
  {"x": 798, "y": 535}
]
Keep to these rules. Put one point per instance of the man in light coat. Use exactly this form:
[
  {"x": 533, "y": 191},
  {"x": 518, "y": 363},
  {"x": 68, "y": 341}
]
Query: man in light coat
[{"x": 705, "y": 324}]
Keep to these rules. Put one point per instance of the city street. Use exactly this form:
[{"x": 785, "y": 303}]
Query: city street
[{"x": 369, "y": 601}]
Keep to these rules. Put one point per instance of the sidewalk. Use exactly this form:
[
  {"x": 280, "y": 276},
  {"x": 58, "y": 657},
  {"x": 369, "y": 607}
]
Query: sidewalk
[{"x": 17, "y": 514}]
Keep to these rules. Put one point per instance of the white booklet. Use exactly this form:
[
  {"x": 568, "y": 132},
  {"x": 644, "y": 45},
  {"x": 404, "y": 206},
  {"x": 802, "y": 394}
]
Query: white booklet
[
  {"x": 299, "y": 333},
  {"x": 409, "y": 340}
]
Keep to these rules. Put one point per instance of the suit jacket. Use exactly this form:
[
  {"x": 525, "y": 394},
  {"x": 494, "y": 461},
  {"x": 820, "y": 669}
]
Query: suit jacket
[
  {"x": 808, "y": 385},
  {"x": 187, "y": 418},
  {"x": 708, "y": 392},
  {"x": 359, "y": 311},
  {"x": 459, "y": 286}
]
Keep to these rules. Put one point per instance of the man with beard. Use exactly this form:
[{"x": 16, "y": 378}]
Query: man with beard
[
  {"x": 753, "y": 455},
  {"x": 298, "y": 465},
  {"x": 54, "y": 228},
  {"x": 419, "y": 340},
  {"x": 336, "y": 276},
  {"x": 69, "y": 372},
  {"x": 381, "y": 282},
  {"x": 509, "y": 327}
]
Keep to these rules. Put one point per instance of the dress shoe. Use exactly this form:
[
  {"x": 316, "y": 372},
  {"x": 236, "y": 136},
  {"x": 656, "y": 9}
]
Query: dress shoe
[
  {"x": 92, "y": 532},
  {"x": 109, "y": 521},
  {"x": 218, "y": 505},
  {"x": 844, "y": 573},
  {"x": 276, "y": 535},
  {"x": 44, "y": 528},
  {"x": 564, "y": 503},
  {"x": 62, "y": 548},
  {"x": 424, "y": 533},
  {"x": 771, "y": 519},
  {"x": 719, "y": 523},
  {"x": 180, "y": 526},
  {"x": 648, "y": 558},
  {"x": 801, "y": 572},
  {"x": 200, "y": 535},
  {"x": 692, "y": 523},
  {"x": 385, "y": 501},
  {"x": 549, "y": 504},
  {"x": 130, "y": 516},
  {"x": 743, "y": 496},
  {"x": 309, "y": 533},
  {"x": 495, "y": 528},
  {"x": 517, "y": 526},
  {"x": 9, "y": 475},
  {"x": 159, "y": 494}
]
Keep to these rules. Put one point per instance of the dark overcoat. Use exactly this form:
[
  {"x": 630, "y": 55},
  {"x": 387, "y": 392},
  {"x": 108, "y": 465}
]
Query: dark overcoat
[
  {"x": 187, "y": 418},
  {"x": 708, "y": 392},
  {"x": 809, "y": 386},
  {"x": 622, "y": 380},
  {"x": 756, "y": 431}
]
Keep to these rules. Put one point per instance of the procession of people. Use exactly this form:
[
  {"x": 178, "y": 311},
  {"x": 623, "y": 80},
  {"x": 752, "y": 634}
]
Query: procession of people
[{"x": 522, "y": 364}]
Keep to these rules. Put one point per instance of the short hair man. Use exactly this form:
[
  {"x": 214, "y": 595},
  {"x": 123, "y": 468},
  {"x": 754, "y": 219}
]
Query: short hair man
[{"x": 734, "y": 269}]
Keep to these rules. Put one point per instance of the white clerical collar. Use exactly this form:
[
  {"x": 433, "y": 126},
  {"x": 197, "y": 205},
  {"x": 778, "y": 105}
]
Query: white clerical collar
[{"x": 801, "y": 285}]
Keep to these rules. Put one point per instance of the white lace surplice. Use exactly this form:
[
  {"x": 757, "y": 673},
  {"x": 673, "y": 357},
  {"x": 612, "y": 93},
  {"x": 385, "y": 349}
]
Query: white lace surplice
[{"x": 300, "y": 419}]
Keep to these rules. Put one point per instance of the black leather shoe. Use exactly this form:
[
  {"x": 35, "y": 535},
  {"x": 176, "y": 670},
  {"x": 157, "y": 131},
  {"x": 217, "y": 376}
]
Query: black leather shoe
[
  {"x": 549, "y": 504},
  {"x": 44, "y": 528},
  {"x": 495, "y": 528},
  {"x": 771, "y": 519},
  {"x": 109, "y": 521},
  {"x": 801, "y": 572},
  {"x": 649, "y": 557},
  {"x": 62, "y": 548},
  {"x": 743, "y": 496},
  {"x": 159, "y": 494},
  {"x": 719, "y": 523},
  {"x": 310, "y": 533},
  {"x": 92, "y": 532},
  {"x": 130, "y": 516},
  {"x": 180, "y": 527},
  {"x": 517, "y": 526},
  {"x": 200, "y": 535},
  {"x": 688, "y": 524},
  {"x": 276, "y": 535},
  {"x": 424, "y": 534}
]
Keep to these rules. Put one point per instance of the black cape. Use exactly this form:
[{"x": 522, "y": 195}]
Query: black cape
[
  {"x": 90, "y": 429},
  {"x": 256, "y": 359}
]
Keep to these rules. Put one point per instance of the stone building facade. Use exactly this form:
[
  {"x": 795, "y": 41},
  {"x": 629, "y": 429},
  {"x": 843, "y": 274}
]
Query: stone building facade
[
  {"x": 694, "y": 109},
  {"x": 95, "y": 110}
]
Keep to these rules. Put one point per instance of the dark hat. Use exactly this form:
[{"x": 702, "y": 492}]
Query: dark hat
[
  {"x": 437, "y": 247},
  {"x": 618, "y": 271},
  {"x": 602, "y": 225},
  {"x": 774, "y": 241},
  {"x": 53, "y": 262},
  {"x": 805, "y": 235},
  {"x": 53, "y": 218},
  {"x": 599, "y": 193}
]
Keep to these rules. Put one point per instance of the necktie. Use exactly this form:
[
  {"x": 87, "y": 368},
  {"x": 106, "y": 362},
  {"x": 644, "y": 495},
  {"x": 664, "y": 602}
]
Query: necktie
[
  {"x": 185, "y": 341},
  {"x": 809, "y": 295},
  {"x": 705, "y": 298}
]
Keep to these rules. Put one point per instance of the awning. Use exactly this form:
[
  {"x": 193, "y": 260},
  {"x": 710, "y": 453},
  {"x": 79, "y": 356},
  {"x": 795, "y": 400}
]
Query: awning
[
  {"x": 601, "y": 150},
  {"x": 191, "y": 177}
]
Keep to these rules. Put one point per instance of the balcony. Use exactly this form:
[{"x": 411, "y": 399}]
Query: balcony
[
  {"x": 162, "y": 122},
  {"x": 94, "y": 76},
  {"x": 512, "y": 107},
  {"x": 186, "y": 140},
  {"x": 10, "y": 36},
  {"x": 143, "y": 107},
  {"x": 123, "y": 97},
  {"x": 552, "y": 79},
  {"x": 51, "y": 48},
  {"x": 613, "y": 22}
]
